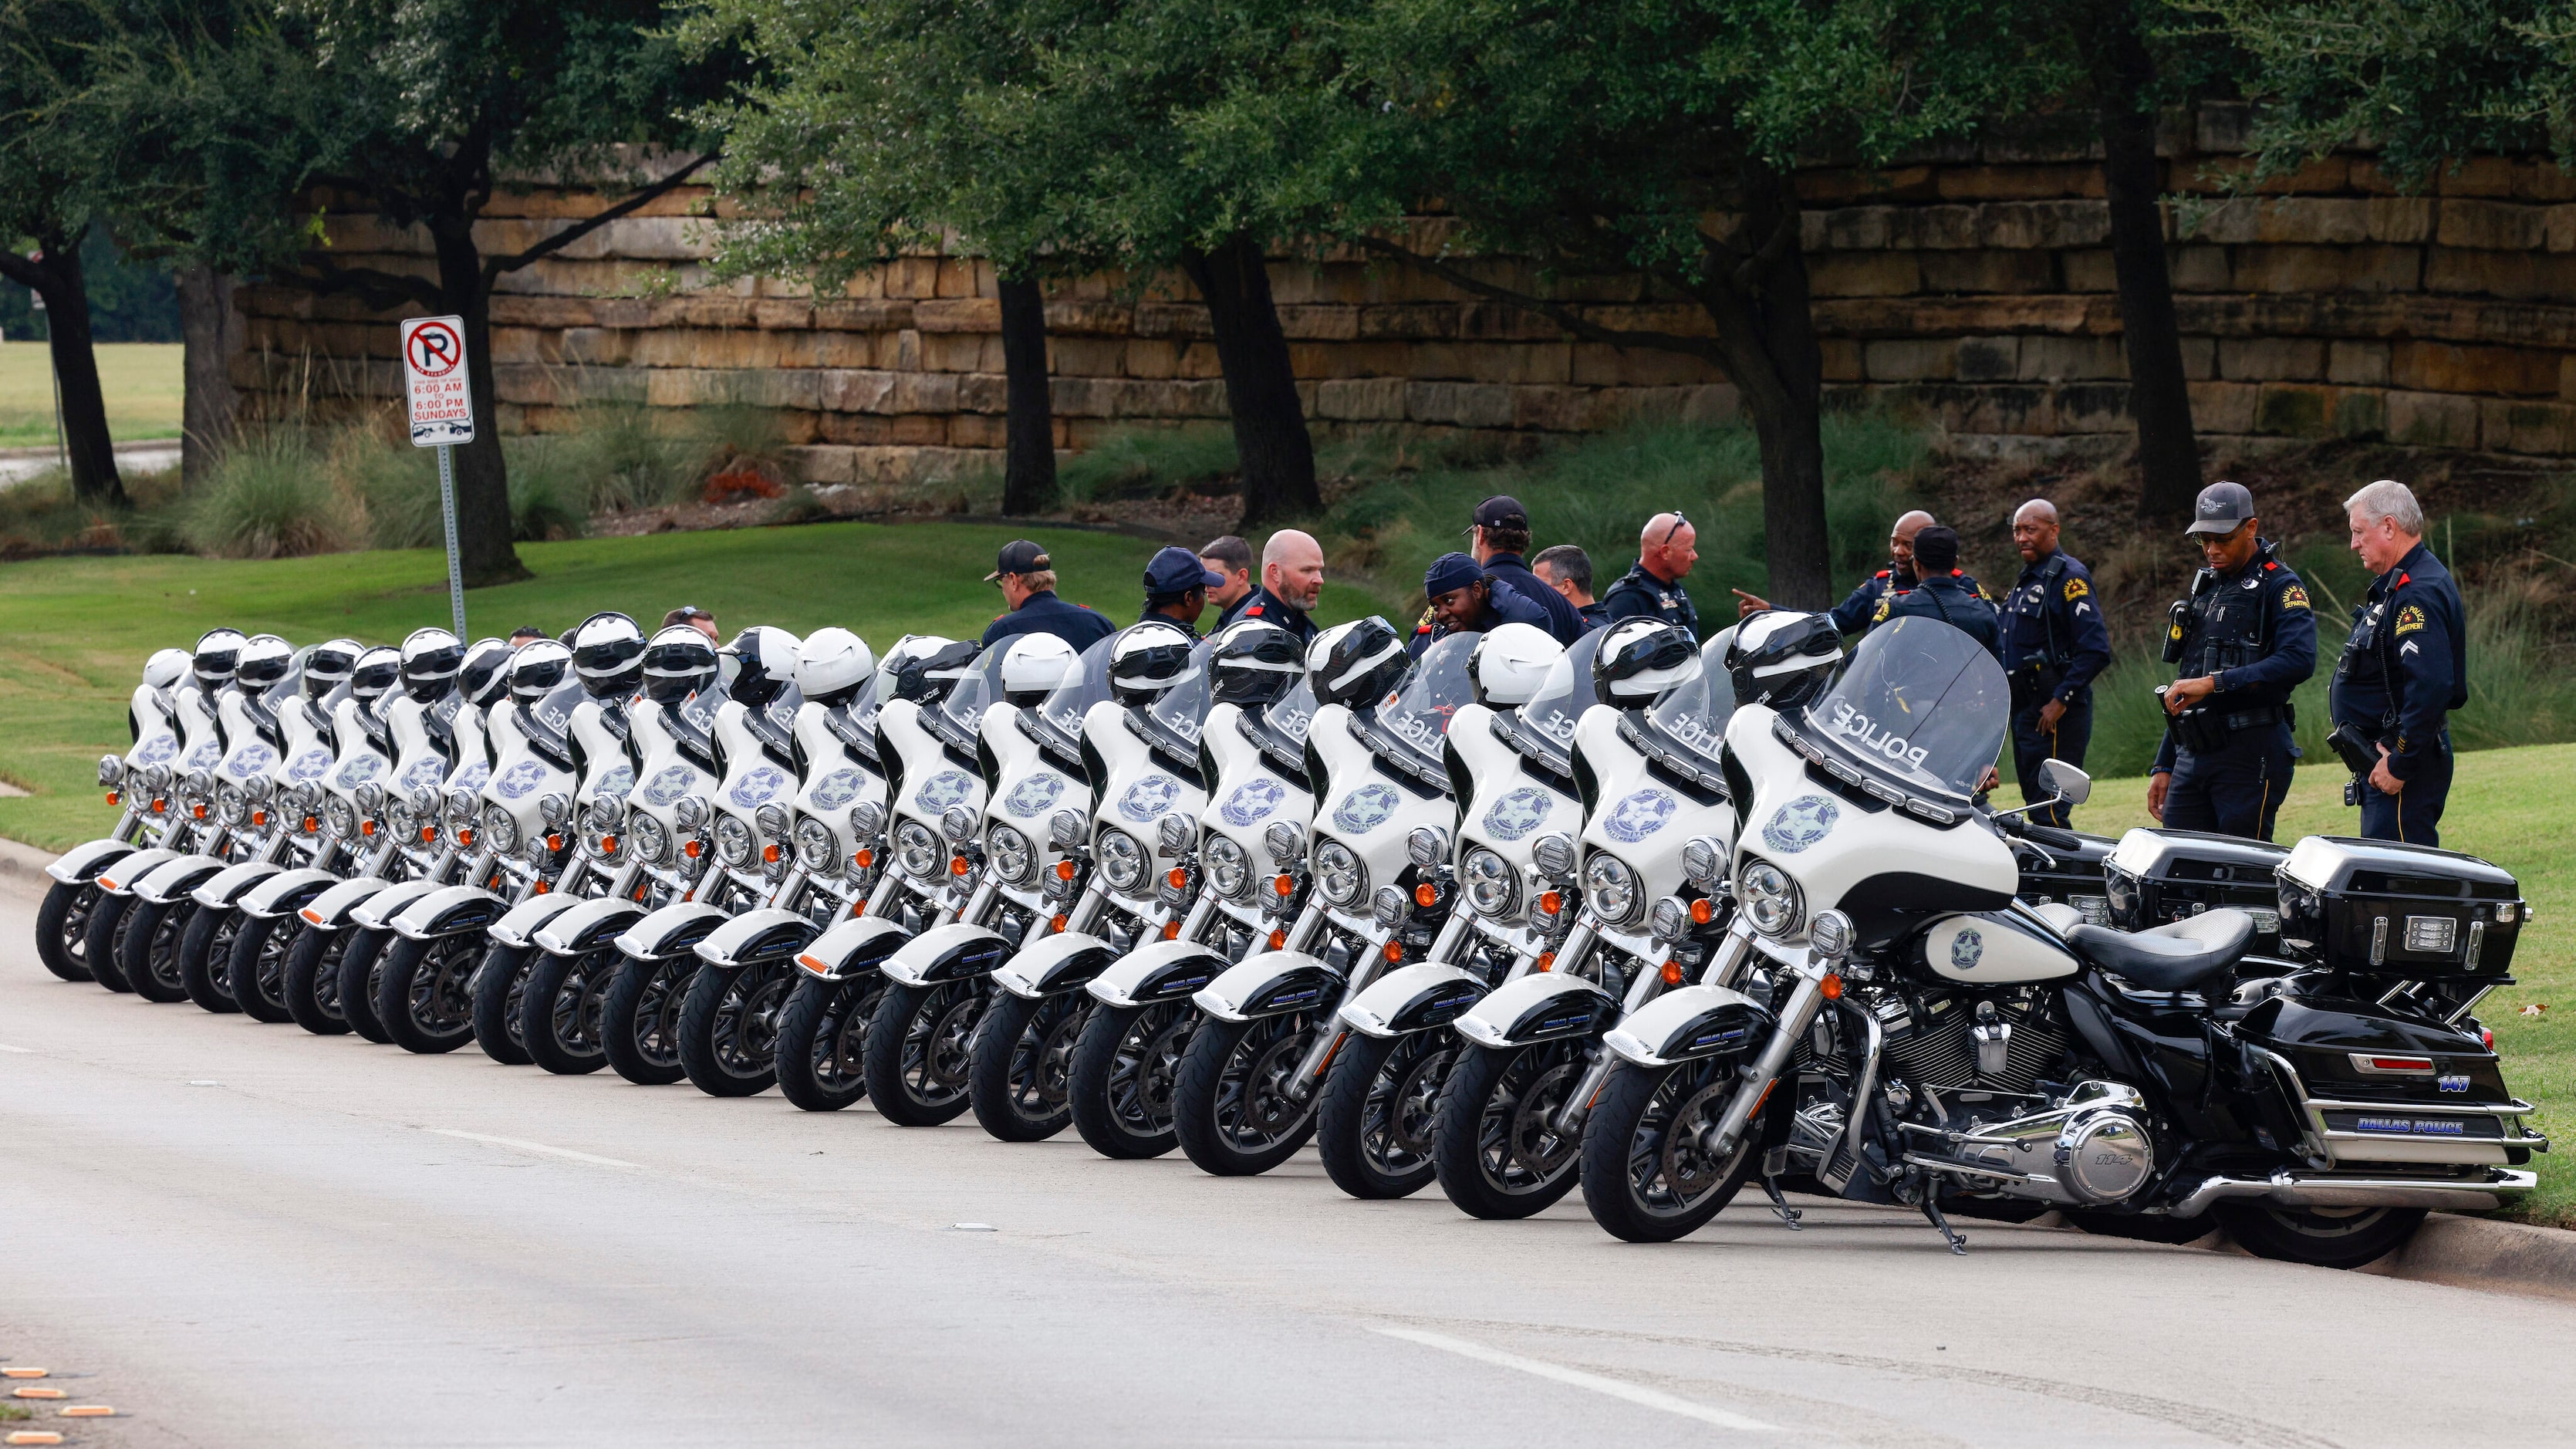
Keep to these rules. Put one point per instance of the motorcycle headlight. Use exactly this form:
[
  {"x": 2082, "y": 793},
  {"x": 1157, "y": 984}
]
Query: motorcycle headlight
[
  {"x": 197, "y": 786},
  {"x": 1229, "y": 868},
  {"x": 1769, "y": 897},
  {"x": 733, "y": 840},
  {"x": 1339, "y": 874},
  {"x": 773, "y": 822},
  {"x": 460, "y": 806},
  {"x": 553, "y": 807},
  {"x": 1554, "y": 856},
  {"x": 1176, "y": 834},
  {"x": 816, "y": 850},
  {"x": 1831, "y": 935},
  {"x": 500, "y": 829},
  {"x": 1068, "y": 830},
  {"x": 1284, "y": 841},
  {"x": 691, "y": 812},
  {"x": 604, "y": 815},
  {"x": 230, "y": 803},
  {"x": 1704, "y": 863},
  {"x": 111, "y": 768},
  {"x": 1388, "y": 907},
  {"x": 1493, "y": 887},
  {"x": 371, "y": 799},
  {"x": 1122, "y": 861},
  {"x": 1669, "y": 918},
  {"x": 1427, "y": 846},
  {"x": 258, "y": 788},
  {"x": 342, "y": 816},
  {"x": 1014, "y": 859},
  {"x": 917, "y": 850},
  {"x": 650, "y": 842},
  {"x": 426, "y": 803},
  {"x": 1611, "y": 887},
  {"x": 958, "y": 824}
]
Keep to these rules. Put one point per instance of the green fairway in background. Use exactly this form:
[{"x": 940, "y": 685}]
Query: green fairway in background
[{"x": 142, "y": 381}]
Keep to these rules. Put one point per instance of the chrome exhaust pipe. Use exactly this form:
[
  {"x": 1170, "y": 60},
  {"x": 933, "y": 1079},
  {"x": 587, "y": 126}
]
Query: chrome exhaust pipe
[{"x": 2492, "y": 1190}]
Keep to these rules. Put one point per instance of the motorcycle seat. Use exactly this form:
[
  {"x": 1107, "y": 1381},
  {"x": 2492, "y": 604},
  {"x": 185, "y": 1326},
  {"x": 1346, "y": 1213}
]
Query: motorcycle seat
[{"x": 2177, "y": 956}]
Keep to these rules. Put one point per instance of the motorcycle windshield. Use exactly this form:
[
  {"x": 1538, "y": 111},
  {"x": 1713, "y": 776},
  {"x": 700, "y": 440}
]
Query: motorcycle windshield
[
  {"x": 1059, "y": 715},
  {"x": 1920, "y": 702},
  {"x": 1692, "y": 718},
  {"x": 1280, "y": 726},
  {"x": 1179, "y": 712},
  {"x": 1408, "y": 729},
  {"x": 1544, "y": 727},
  {"x": 964, "y": 706}
]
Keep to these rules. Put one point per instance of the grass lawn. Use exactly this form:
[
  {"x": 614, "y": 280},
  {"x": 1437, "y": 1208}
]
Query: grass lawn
[{"x": 141, "y": 379}]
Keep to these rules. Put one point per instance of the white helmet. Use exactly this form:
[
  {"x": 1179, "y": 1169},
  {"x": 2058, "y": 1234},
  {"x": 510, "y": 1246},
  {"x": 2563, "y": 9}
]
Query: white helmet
[
  {"x": 1510, "y": 662},
  {"x": 1641, "y": 659},
  {"x": 166, "y": 667},
  {"x": 1782, "y": 658},
  {"x": 1035, "y": 665},
  {"x": 831, "y": 664}
]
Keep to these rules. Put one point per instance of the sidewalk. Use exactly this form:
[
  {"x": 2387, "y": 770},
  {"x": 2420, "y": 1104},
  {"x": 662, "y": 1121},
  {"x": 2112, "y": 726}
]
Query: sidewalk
[{"x": 149, "y": 456}]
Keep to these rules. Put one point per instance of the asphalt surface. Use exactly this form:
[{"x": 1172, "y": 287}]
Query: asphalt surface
[{"x": 242, "y": 1234}]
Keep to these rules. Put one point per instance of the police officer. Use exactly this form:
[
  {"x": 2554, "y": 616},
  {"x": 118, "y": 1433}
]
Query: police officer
[
  {"x": 2403, "y": 669},
  {"x": 1499, "y": 539},
  {"x": 1940, "y": 595},
  {"x": 2244, "y": 640},
  {"x": 1292, "y": 583},
  {"x": 1465, "y": 601},
  {"x": 1859, "y": 608},
  {"x": 1666, "y": 549},
  {"x": 1176, "y": 588},
  {"x": 1229, "y": 558},
  {"x": 1027, "y": 578},
  {"x": 2054, "y": 646},
  {"x": 1567, "y": 569}
]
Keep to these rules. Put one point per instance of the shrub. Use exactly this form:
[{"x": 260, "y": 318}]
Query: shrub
[
  {"x": 270, "y": 497},
  {"x": 1149, "y": 462}
]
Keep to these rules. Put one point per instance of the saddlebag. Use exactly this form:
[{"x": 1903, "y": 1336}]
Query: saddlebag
[{"x": 2155, "y": 876}]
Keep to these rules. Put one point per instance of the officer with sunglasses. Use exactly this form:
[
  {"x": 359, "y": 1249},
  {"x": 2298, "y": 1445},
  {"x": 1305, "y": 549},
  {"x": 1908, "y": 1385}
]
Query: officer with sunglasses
[{"x": 1666, "y": 550}]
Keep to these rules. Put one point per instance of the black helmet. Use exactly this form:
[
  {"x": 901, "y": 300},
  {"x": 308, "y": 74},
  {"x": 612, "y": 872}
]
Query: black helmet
[
  {"x": 1253, "y": 661},
  {"x": 327, "y": 666},
  {"x": 218, "y": 651},
  {"x": 678, "y": 663},
  {"x": 608, "y": 653},
  {"x": 375, "y": 671},
  {"x": 927, "y": 675},
  {"x": 538, "y": 669},
  {"x": 1147, "y": 659},
  {"x": 758, "y": 664},
  {"x": 431, "y": 660},
  {"x": 264, "y": 660},
  {"x": 487, "y": 671},
  {"x": 1356, "y": 664},
  {"x": 1781, "y": 658},
  {"x": 1640, "y": 659}
]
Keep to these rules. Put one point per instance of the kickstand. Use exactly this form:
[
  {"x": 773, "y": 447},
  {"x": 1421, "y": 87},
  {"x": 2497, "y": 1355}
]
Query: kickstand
[
  {"x": 1780, "y": 1205},
  {"x": 1932, "y": 1210}
]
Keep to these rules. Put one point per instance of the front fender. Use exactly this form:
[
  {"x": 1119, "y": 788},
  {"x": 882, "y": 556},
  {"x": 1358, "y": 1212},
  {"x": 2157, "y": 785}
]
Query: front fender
[
  {"x": 83, "y": 861},
  {"x": 225, "y": 887},
  {"x": 330, "y": 910},
  {"x": 1420, "y": 997},
  {"x": 1690, "y": 1023},
  {"x": 1273, "y": 983},
  {"x": 672, "y": 930},
  {"x": 954, "y": 952},
  {"x": 518, "y": 925},
  {"x": 447, "y": 911},
  {"x": 581, "y": 926},
  {"x": 174, "y": 878},
  {"x": 1158, "y": 971},
  {"x": 119, "y": 878},
  {"x": 1543, "y": 1007},
  {"x": 852, "y": 948},
  {"x": 373, "y": 912},
  {"x": 285, "y": 891},
  {"x": 757, "y": 937},
  {"x": 1065, "y": 961}
]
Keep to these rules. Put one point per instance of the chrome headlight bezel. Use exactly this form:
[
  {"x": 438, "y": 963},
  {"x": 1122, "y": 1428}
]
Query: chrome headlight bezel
[
  {"x": 691, "y": 812},
  {"x": 1123, "y": 861},
  {"x": 1284, "y": 841},
  {"x": 733, "y": 840},
  {"x": 1014, "y": 858},
  {"x": 500, "y": 829},
  {"x": 1427, "y": 845},
  {"x": 554, "y": 807},
  {"x": 340, "y": 815},
  {"x": 958, "y": 824},
  {"x": 460, "y": 807},
  {"x": 1611, "y": 887},
  {"x": 1068, "y": 830},
  {"x": 1769, "y": 897},
  {"x": 773, "y": 823},
  {"x": 1339, "y": 874},
  {"x": 817, "y": 849},
  {"x": 1555, "y": 856},
  {"x": 1229, "y": 867},
  {"x": 648, "y": 838},
  {"x": 111, "y": 769},
  {"x": 1175, "y": 834},
  {"x": 1492, "y": 886},
  {"x": 1704, "y": 864},
  {"x": 917, "y": 850},
  {"x": 232, "y": 806},
  {"x": 603, "y": 815}
]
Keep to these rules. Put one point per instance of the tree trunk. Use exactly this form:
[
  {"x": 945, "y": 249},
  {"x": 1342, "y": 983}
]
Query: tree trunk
[
  {"x": 1028, "y": 467},
  {"x": 212, "y": 334},
  {"x": 484, "y": 552},
  {"x": 1270, "y": 439},
  {"x": 1766, "y": 330},
  {"x": 59, "y": 280},
  {"x": 2132, "y": 179}
]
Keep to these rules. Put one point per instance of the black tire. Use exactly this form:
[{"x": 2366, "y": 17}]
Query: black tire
[
  {"x": 256, "y": 966},
  {"x": 1124, "y": 1066},
  {"x": 561, "y": 1011},
  {"x": 2319, "y": 1237},
  {"x": 1021, "y": 1078},
  {"x": 1497, "y": 1153},
  {"x": 422, "y": 1000},
  {"x": 823, "y": 1040},
  {"x": 1373, "y": 1125},
  {"x": 206, "y": 958},
  {"x": 1230, "y": 1105},
  {"x": 62, "y": 929},
  {"x": 149, "y": 954},
  {"x": 1645, "y": 1177},
  {"x": 362, "y": 963},
  {"x": 919, "y": 1050},
  {"x": 499, "y": 984},
  {"x": 106, "y": 939},
  {"x": 313, "y": 981},
  {"x": 641, "y": 1027},
  {"x": 2136, "y": 1227},
  {"x": 729, "y": 1029}
]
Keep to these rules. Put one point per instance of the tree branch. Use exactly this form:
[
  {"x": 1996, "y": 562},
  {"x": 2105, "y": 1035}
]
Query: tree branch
[
  {"x": 25, "y": 273},
  {"x": 495, "y": 266},
  {"x": 1556, "y": 312}
]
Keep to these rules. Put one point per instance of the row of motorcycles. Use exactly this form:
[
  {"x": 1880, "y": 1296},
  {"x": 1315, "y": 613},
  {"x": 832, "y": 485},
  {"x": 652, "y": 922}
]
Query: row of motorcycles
[{"x": 1506, "y": 917}]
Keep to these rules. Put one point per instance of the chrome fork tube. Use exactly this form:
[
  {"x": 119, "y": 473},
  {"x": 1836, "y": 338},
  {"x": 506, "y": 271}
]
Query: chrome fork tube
[
  {"x": 1301, "y": 1087},
  {"x": 1087, "y": 911},
  {"x": 978, "y": 904},
  {"x": 1794, "y": 1021},
  {"x": 1194, "y": 925},
  {"x": 1454, "y": 933}
]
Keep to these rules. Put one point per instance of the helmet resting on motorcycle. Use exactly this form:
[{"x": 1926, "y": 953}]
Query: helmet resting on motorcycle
[
  {"x": 1640, "y": 659},
  {"x": 1782, "y": 658},
  {"x": 539, "y": 669},
  {"x": 1253, "y": 661},
  {"x": 607, "y": 654},
  {"x": 1035, "y": 665},
  {"x": 218, "y": 650},
  {"x": 486, "y": 673},
  {"x": 375, "y": 672},
  {"x": 264, "y": 660},
  {"x": 1510, "y": 663},
  {"x": 899, "y": 670},
  {"x": 678, "y": 662},
  {"x": 832, "y": 664},
  {"x": 327, "y": 666},
  {"x": 431, "y": 660},
  {"x": 166, "y": 667},
  {"x": 1356, "y": 664},
  {"x": 1147, "y": 659},
  {"x": 758, "y": 665}
]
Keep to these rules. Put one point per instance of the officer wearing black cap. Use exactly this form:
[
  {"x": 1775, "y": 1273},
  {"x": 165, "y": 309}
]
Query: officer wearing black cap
[
  {"x": 1465, "y": 601},
  {"x": 2054, "y": 646},
  {"x": 2244, "y": 640},
  {"x": 1940, "y": 595},
  {"x": 1027, "y": 579},
  {"x": 2404, "y": 669},
  {"x": 1176, "y": 588},
  {"x": 1498, "y": 539}
]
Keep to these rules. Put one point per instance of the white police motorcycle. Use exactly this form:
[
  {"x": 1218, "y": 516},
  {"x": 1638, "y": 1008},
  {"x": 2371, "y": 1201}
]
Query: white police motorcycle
[
  {"x": 181, "y": 792},
  {"x": 352, "y": 796},
  {"x": 136, "y": 783}
]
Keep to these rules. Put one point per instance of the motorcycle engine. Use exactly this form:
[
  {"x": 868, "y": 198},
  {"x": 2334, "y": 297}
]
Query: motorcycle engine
[
  {"x": 1986, "y": 1041},
  {"x": 2086, "y": 1148}
]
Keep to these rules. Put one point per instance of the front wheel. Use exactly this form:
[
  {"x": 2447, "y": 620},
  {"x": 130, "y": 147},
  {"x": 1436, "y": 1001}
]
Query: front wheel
[
  {"x": 729, "y": 1028},
  {"x": 362, "y": 967},
  {"x": 1231, "y": 1107},
  {"x": 206, "y": 958},
  {"x": 150, "y": 952},
  {"x": 1373, "y": 1126},
  {"x": 499, "y": 984},
  {"x": 2317, "y": 1236},
  {"x": 561, "y": 1011},
  {"x": 421, "y": 997},
  {"x": 257, "y": 966},
  {"x": 1495, "y": 1143},
  {"x": 1648, "y": 1175},
  {"x": 640, "y": 1028},
  {"x": 313, "y": 981},
  {"x": 822, "y": 1042},
  {"x": 918, "y": 1049},
  {"x": 106, "y": 940},
  {"x": 1021, "y": 1078},
  {"x": 1124, "y": 1066},
  {"x": 62, "y": 928}
]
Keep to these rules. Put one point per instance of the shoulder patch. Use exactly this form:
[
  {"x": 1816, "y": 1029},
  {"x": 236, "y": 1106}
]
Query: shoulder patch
[
  {"x": 2294, "y": 597},
  {"x": 1882, "y": 573},
  {"x": 2077, "y": 588},
  {"x": 1254, "y": 612},
  {"x": 1881, "y": 616},
  {"x": 2409, "y": 619}
]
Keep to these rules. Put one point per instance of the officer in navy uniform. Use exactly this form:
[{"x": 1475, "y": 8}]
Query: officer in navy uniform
[
  {"x": 1292, "y": 583},
  {"x": 1940, "y": 595},
  {"x": 2244, "y": 640},
  {"x": 2404, "y": 668},
  {"x": 1464, "y": 600},
  {"x": 1499, "y": 539},
  {"x": 1027, "y": 580},
  {"x": 1859, "y": 608},
  {"x": 2054, "y": 647},
  {"x": 1667, "y": 548},
  {"x": 1177, "y": 586}
]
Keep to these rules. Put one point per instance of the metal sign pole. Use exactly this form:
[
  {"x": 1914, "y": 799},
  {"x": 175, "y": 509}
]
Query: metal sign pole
[{"x": 447, "y": 510}]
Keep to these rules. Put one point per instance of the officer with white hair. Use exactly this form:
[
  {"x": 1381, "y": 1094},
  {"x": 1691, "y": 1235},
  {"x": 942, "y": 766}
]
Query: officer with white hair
[{"x": 2404, "y": 669}]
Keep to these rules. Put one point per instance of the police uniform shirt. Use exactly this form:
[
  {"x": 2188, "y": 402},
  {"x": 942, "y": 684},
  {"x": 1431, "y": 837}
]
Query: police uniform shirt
[
  {"x": 1596, "y": 615},
  {"x": 1562, "y": 622},
  {"x": 1044, "y": 613},
  {"x": 2406, "y": 664},
  {"x": 2262, "y": 611},
  {"x": 2052, "y": 626},
  {"x": 1860, "y": 608},
  {"x": 1228, "y": 613},
  {"x": 1945, "y": 598},
  {"x": 1268, "y": 607},
  {"x": 1640, "y": 595}
]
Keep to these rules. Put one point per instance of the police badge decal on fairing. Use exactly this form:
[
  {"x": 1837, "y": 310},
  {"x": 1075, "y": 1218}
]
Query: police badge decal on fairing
[
  {"x": 311, "y": 765},
  {"x": 1518, "y": 813},
  {"x": 1967, "y": 948},
  {"x": 1801, "y": 823},
  {"x": 836, "y": 789},
  {"x": 615, "y": 783},
  {"x": 428, "y": 770},
  {"x": 1640, "y": 815},
  {"x": 1251, "y": 801},
  {"x": 157, "y": 749},
  {"x": 1149, "y": 797},
  {"x": 669, "y": 784},
  {"x": 520, "y": 779},
  {"x": 1365, "y": 809},
  {"x": 471, "y": 778},
  {"x": 948, "y": 787},
  {"x": 360, "y": 770},
  {"x": 251, "y": 759},
  {"x": 1033, "y": 795},
  {"x": 764, "y": 783}
]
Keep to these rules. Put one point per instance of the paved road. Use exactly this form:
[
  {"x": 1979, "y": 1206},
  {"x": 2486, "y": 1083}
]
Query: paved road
[
  {"x": 251, "y": 1235},
  {"x": 20, "y": 464}
]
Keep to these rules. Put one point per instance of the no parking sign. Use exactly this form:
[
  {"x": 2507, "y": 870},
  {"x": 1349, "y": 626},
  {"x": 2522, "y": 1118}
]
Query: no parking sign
[{"x": 435, "y": 392}]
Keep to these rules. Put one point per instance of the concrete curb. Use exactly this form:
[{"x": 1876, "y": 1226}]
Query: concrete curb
[{"x": 22, "y": 868}]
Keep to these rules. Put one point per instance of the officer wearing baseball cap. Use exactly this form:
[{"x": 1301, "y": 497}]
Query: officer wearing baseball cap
[
  {"x": 1499, "y": 539},
  {"x": 1027, "y": 578},
  {"x": 2244, "y": 640},
  {"x": 1176, "y": 587},
  {"x": 1465, "y": 601}
]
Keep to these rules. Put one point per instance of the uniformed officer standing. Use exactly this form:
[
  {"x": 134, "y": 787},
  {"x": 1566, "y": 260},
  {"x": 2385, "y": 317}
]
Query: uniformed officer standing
[
  {"x": 1667, "y": 548},
  {"x": 1859, "y": 608},
  {"x": 1940, "y": 595},
  {"x": 1567, "y": 569},
  {"x": 2244, "y": 639},
  {"x": 1177, "y": 586},
  {"x": 1027, "y": 577},
  {"x": 1498, "y": 539},
  {"x": 1464, "y": 600},
  {"x": 1292, "y": 583},
  {"x": 2054, "y": 647},
  {"x": 2405, "y": 667}
]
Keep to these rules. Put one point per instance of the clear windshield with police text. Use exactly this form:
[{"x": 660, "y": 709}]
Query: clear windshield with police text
[
  {"x": 1417, "y": 718},
  {"x": 1693, "y": 715},
  {"x": 1180, "y": 711},
  {"x": 965, "y": 704},
  {"x": 1920, "y": 702},
  {"x": 1062, "y": 710},
  {"x": 1284, "y": 720},
  {"x": 1547, "y": 722}
]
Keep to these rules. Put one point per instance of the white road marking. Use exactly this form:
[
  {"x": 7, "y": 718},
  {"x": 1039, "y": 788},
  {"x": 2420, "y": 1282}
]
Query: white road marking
[
  {"x": 524, "y": 1145},
  {"x": 17, "y": 1050},
  {"x": 1597, "y": 1383}
]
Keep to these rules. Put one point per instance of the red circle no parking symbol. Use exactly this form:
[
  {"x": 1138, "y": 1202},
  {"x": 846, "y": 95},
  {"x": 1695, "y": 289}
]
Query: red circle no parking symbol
[{"x": 433, "y": 349}]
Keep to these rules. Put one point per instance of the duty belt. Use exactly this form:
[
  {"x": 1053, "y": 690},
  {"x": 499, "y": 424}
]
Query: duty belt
[{"x": 2252, "y": 719}]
